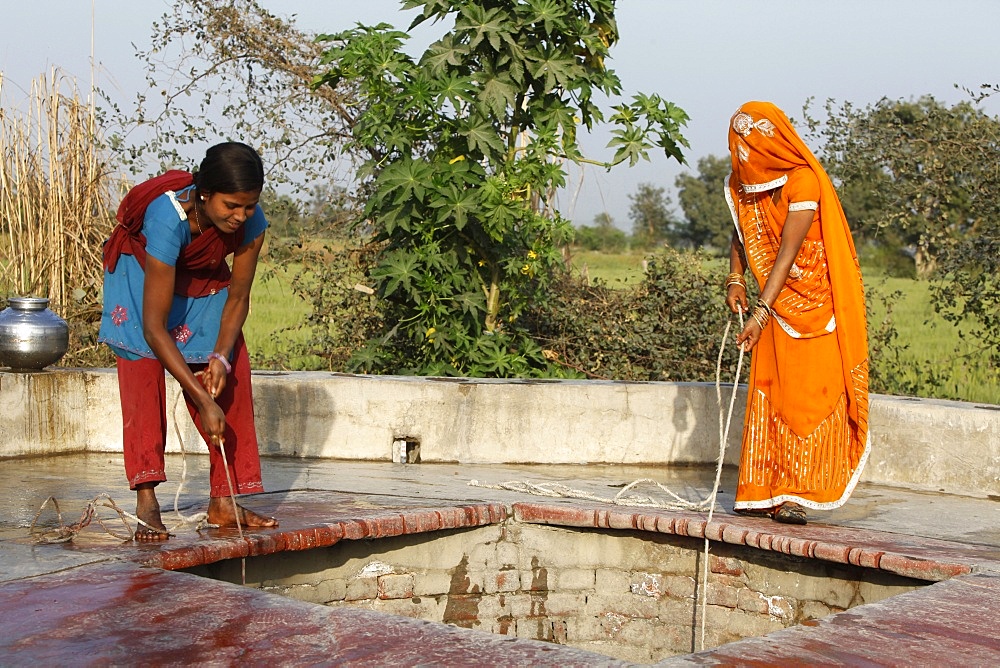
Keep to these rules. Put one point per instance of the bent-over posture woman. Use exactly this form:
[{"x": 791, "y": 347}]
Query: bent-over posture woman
[
  {"x": 171, "y": 301},
  {"x": 805, "y": 438}
]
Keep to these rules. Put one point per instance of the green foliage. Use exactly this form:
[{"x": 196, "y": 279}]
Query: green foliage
[
  {"x": 709, "y": 224},
  {"x": 460, "y": 152},
  {"x": 669, "y": 327},
  {"x": 916, "y": 352},
  {"x": 931, "y": 178},
  {"x": 283, "y": 213},
  {"x": 603, "y": 235},
  {"x": 314, "y": 315},
  {"x": 652, "y": 221},
  {"x": 886, "y": 259}
]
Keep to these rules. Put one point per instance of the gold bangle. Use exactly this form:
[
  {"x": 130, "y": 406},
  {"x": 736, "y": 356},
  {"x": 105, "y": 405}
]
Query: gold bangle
[
  {"x": 736, "y": 279},
  {"x": 761, "y": 314}
]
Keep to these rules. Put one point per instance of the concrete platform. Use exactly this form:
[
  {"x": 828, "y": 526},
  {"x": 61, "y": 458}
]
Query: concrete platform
[{"x": 97, "y": 601}]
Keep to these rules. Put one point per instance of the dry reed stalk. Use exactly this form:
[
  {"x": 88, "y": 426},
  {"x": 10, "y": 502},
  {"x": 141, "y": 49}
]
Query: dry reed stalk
[{"x": 58, "y": 195}]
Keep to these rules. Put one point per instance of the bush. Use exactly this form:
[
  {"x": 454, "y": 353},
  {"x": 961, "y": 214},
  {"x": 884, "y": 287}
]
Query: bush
[{"x": 667, "y": 328}]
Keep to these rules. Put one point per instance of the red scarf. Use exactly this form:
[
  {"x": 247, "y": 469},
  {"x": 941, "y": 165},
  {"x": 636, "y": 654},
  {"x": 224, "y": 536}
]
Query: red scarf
[{"x": 201, "y": 268}]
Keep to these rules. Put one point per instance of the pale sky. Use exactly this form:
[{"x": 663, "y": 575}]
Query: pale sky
[{"x": 707, "y": 56}]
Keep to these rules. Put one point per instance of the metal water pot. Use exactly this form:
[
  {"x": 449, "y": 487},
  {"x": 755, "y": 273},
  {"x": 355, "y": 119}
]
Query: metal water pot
[{"x": 31, "y": 336}]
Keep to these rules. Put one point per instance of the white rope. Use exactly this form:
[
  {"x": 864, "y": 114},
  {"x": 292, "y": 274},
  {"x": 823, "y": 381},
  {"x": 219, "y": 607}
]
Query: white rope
[
  {"x": 202, "y": 518},
  {"x": 723, "y": 437},
  {"x": 66, "y": 532},
  {"x": 198, "y": 519},
  {"x": 622, "y": 498},
  {"x": 221, "y": 444}
]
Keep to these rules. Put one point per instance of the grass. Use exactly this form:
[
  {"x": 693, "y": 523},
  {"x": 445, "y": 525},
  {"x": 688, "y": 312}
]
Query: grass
[
  {"x": 931, "y": 342},
  {"x": 617, "y": 269},
  {"x": 274, "y": 309}
]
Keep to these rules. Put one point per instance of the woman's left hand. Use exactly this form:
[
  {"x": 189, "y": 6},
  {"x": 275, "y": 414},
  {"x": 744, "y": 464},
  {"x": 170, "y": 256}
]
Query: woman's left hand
[{"x": 213, "y": 377}]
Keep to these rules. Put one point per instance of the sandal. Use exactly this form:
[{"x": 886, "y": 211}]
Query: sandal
[
  {"x": 790, "y": 513},
  {"x": 754, "y": 512}
]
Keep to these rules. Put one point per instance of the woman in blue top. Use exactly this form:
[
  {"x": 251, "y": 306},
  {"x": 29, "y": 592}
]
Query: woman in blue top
[{"x": 172, "y": 302}]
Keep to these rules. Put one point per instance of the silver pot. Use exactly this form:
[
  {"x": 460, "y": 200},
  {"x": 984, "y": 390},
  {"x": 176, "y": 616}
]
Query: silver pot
[{"x": 31, "y": 336}]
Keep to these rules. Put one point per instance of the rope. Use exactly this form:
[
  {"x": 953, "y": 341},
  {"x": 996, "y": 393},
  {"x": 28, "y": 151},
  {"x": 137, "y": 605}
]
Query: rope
[
  {"x": 723, "y": 436},
  {"x": 199, "y": 519},
  {"x": 221, "y": 443},
  {"x": 622, "y": 498},
  {"x": 67, "y": 532}
]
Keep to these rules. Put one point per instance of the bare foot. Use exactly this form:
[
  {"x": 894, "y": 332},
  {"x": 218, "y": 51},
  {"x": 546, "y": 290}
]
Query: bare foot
[
  {"x": 147, "y": 509},
  {"x": 221, "y": 513}
]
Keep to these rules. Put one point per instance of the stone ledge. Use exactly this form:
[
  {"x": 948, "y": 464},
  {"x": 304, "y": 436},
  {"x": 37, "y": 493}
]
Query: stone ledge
[
  {"x": 316, "y": 519},
  {"x": 948, "y": 624},
  {"x": 910, "y": 556}
]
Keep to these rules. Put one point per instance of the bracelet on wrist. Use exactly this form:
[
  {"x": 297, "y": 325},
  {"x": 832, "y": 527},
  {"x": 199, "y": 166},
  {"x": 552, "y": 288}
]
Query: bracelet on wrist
[
  {"x": 736, "y": 279},
  {"x": 221, "y": 358},
  {"x": 761, "y": 313}
]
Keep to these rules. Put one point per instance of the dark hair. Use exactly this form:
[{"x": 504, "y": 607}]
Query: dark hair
[{"x": 230, "y": 167}]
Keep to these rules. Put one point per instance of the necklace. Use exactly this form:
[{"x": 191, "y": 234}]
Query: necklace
[{"x": 197, "y": 219}]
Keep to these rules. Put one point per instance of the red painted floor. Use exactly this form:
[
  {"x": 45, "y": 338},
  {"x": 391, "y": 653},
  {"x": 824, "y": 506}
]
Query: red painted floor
[{"x": 96, "y": 601}]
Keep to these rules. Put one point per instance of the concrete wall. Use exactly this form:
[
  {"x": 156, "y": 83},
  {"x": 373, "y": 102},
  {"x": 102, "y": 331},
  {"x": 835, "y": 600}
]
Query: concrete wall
[{"x": 938, "y": 445}]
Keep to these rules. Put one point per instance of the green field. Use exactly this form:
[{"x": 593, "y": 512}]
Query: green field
[{"x": 930, "y": 341}]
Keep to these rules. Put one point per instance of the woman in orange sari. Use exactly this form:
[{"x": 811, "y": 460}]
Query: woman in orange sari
[{"x": 805, "y": 438}]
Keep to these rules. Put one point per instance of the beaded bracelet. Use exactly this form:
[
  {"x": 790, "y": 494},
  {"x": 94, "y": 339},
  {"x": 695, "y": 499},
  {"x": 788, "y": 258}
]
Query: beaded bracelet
[{"x": 225, "y": 362}]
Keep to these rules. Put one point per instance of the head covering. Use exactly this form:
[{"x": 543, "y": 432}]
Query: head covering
[{"x": 764, "y": 148}]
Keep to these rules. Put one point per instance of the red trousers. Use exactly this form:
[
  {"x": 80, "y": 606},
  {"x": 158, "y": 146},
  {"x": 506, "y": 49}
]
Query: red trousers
[{"x": 142, "y": 386}]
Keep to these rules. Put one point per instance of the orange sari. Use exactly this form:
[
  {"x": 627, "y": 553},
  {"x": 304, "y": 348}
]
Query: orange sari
[{"x": 805, "y": 435}]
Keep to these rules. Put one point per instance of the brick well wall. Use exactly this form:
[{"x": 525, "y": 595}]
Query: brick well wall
[{"x": 628, "y": 595}]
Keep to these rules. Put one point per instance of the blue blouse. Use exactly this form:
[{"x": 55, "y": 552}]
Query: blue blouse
[{"x": 193, "y": 321}]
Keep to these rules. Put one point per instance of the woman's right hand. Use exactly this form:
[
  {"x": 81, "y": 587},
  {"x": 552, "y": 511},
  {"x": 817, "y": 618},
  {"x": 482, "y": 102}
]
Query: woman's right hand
[
  {"x": 750, "y": 336},
  {"x": 736, "y": 299},
  {"x": 213, "y": 421}
]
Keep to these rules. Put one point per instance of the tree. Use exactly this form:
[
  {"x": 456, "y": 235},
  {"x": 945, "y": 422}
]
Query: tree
[
  {"x": 283, "y": 213},
  {"x": 933, "y": 174},
  {"x": 709, "y": 224},
  {"x": 461, "y": 152},
  {"x": 930, "y": 171},
  {"x": 229, "y": 69},
  {"x": 602, "y": 236},
  {"x": 652, "y": 221}
]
